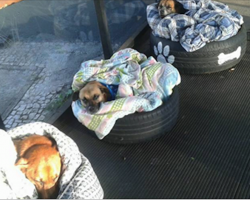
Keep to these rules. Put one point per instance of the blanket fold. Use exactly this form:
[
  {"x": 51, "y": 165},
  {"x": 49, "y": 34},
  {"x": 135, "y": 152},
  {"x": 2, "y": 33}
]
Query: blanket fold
[
  {"x": 205, "y": 21},
  {"x": 142, "y": 85}
]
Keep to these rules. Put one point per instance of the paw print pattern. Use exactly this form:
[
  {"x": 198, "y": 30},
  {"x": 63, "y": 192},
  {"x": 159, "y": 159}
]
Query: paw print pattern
[{"x": 163, "y": 54}]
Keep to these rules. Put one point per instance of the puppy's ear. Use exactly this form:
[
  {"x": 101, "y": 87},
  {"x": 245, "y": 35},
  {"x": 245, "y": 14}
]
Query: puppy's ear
[
  {"x": 75, "y": 96},
  {"x": 179, "y": 8},
  {"x": 22, "y": 164},
  {"x": 104, "y": 89},
  {"x": 53, "y": 141}
]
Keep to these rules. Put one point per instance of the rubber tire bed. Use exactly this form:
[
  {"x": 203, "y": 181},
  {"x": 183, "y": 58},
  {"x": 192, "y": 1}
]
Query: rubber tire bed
[
  {"x": 145, "y": 126},
  {"x": 204, "y": 60}
]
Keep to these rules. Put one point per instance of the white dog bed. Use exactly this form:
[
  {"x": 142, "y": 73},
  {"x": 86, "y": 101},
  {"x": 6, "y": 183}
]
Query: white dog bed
[{"x": 78, "y": 181}]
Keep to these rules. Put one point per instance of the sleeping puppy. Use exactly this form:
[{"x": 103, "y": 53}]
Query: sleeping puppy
[
  {"x": 166, "y": 7},
  {"x": 91, "y": 96},
  {"x": 40, "y": 161}
]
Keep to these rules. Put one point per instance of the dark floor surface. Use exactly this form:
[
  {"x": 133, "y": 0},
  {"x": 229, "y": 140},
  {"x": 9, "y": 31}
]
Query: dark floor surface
[{"x": 206, "y": 155}]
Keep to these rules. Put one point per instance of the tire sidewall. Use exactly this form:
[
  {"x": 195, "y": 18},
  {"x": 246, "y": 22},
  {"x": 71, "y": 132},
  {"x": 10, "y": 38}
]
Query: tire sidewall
[
  {"x": 208, "y": 58},
  {"x": 145, "y": 126}
]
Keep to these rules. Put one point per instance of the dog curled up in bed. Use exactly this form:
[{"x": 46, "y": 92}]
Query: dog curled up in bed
[
  {"x": 40, "y": 161},
  {"x": 93, "y": 94},
  {"x": 166, "y": 7}
]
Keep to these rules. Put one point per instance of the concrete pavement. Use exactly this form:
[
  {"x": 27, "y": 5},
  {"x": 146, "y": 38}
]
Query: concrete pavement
[{"x": 36, "y": 78}]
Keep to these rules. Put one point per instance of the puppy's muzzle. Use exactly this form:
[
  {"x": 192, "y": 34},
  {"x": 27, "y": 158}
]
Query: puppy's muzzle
[
  {"x": 165, "y": 11},
  {"x": 92, "y": 109}
]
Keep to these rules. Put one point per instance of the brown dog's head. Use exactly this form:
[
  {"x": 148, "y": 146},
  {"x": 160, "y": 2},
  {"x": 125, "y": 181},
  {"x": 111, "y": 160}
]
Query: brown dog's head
[
  {"x": 40, "y": 161},
  {"x": 166, "y": 7},
  {"x": 91, "y": 95}
]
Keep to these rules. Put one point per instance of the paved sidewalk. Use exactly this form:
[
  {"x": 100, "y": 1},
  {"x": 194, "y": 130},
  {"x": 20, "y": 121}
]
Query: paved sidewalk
[{"x": 36, "y": 78}]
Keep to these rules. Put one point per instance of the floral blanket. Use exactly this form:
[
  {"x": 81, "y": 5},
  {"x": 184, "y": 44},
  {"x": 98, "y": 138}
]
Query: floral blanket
[
  {"x": 142, "y": 85},
  {"x": 204, "y": 22}
]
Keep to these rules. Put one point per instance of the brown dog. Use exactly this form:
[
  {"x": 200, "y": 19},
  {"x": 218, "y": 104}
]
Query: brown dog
[
  {"x": 40, "y": 161},
  {"x": 167, "y": 7},
  {"x": 91, "y": 95}
]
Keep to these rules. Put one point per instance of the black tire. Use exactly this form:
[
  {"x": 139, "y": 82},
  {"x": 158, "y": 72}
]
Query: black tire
[
  {"x": 204, "y": 60},
  {"x": 141, "y": 127}
]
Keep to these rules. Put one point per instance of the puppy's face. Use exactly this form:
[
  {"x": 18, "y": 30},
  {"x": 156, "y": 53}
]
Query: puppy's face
[
  {"x": 166, "y": 7},
  {"x": 41, "y": 164},
  {"x": 92, "y": 94}
]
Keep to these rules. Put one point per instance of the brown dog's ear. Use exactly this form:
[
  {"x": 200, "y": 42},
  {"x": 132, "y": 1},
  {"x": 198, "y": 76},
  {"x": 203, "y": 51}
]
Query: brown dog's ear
[
  {"x": 22, "y": 164},
  {"x": 104, "y": 89},
  {"x": 75, "y": 96},
  {"x": 179, "y": 8}
]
